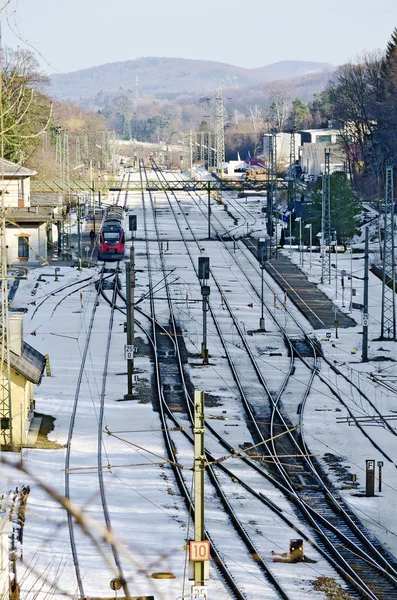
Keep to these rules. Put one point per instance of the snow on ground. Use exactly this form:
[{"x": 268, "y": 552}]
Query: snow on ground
[{"x": 147, "y": 512}]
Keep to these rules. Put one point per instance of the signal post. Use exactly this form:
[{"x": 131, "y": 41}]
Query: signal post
[
  {"x": 199, "y": 549},
  {"x": 130, "y": 288}
]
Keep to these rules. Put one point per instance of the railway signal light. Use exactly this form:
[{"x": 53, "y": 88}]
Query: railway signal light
[
  {"x": 125, "y": 326},
  {"x": 132, "y": 222}
]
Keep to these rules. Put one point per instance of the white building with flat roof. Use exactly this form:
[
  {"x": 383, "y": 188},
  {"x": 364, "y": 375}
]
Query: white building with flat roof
[{"x": 312, "y": 158}]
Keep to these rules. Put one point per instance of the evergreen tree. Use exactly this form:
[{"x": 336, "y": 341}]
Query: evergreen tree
[
  {"x": 345, "y": 208},
  {"x": 300, "y": 114},
  {"x": 386, "y": 136},
  {"x": 391, "y": 46}
]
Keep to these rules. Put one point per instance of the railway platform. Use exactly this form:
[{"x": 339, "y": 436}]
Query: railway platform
[{"x": 318, "y": 309}]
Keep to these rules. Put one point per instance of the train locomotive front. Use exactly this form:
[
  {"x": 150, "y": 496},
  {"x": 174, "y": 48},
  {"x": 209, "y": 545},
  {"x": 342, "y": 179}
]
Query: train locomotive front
[{"x": 112, "y": 236}]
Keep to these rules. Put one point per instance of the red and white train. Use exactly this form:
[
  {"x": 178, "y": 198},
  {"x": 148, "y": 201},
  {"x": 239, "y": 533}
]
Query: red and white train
[{"x": 111, "y": 243}]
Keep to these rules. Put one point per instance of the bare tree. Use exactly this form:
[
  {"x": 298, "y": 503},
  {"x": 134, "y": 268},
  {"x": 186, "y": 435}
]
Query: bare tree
[
  {"x": 354, "y": 92},
  {"x": 280, "y": 98},
  {"x": 257, "y": 124}
]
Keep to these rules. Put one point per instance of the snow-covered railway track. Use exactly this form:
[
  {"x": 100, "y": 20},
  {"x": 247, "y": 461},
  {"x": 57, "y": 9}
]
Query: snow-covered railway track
[
  {"x": 169, "y": 377},
  {"x": 296, "y": 448},
  {"x": 381, "y": 579},
  {"x": 246, "y": 260},
  {"x": 72, "y": 463}
]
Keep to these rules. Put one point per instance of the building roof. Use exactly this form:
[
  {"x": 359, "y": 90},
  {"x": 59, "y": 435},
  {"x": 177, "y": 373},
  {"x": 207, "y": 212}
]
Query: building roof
[
  {"x": 315, "y": 152},
  {"x": 29, "y": 365},
  {"x": 10, "y": 169},
  {"x": 29, "y": 215},
  {"x": 54, "y": 200},
  {"x": 324, "y": 131}
]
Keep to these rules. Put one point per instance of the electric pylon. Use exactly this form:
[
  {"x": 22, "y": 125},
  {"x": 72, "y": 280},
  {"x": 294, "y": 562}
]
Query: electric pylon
[
  {"x": 5, "y": 384},
  {"x": 388, "y": 319},
  {"x": 271, "y": 188},
  {"x": 105, "y": 150},
  {"x": 78, "y": 151},
  {"x": 6, "y": 437},
  {"x": 209, "y": 151},
  {"x": 326, "y": 221},
  {"x": 202, "y": 147},
  {"x": 58, "y": 156},
  {"x": 291, "y": 180},
  {"x": 114, "y": 153},
  {"x": 86, "y": 150},
  {"x": 219, "y": 129}
]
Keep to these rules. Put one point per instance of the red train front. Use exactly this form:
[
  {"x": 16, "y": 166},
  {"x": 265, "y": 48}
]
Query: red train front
[{"x": 111, "y": 244}]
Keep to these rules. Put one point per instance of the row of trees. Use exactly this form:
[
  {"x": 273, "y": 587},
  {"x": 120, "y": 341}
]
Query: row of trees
[{"x": 31, "y": 121}]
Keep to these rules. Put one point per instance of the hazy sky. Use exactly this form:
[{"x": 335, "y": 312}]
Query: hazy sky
[{"x": 75, "y": 34}]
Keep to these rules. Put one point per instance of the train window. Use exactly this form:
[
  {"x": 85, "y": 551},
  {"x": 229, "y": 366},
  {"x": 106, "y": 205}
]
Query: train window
[
  {"x": 111, "y": 237},
  {"x": 123, "y": 239}
]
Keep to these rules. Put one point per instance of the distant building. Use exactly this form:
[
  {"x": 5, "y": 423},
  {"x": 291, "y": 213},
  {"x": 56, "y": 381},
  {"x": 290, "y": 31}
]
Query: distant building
[
  {"x": 319, "y": 136},
  {"x": 27, "y": 227},
  {"x": 283, "y": 145},
  {"x": 26, "y": 369},
  {"x": 312, "y": 158}
]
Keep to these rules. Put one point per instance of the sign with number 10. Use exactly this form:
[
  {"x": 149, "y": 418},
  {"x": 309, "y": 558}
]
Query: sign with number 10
[{"x": 199, "y": 551}]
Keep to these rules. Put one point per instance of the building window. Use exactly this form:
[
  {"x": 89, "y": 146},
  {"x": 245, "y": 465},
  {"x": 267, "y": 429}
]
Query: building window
[
  {"x": 324, "y": 138},
  {"x": 23, "y": 247}
]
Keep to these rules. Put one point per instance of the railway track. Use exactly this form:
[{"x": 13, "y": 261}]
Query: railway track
[
  {"x": 252, "y": 492},
  {"x": 382, "y": 580},
  {"x": 180, "y": 397},
  {"x": 70, "y": 461}
]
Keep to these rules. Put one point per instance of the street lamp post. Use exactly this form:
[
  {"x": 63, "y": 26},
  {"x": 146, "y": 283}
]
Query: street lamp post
[{"x": 309, "y": 227}]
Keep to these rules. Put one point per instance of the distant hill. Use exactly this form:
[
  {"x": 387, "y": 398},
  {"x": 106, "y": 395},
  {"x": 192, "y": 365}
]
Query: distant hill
[{"x": 170, "y": 77}]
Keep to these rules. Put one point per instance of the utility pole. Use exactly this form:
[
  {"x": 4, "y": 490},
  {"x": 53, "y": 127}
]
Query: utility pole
[
  {"x": 209, "y": 209},
  {"x": 219, "y": 129},
  {"x": 204, "y": 274},
  {"x": 271, "y": 186},
  {"x": 262, "y": 257},
  {"x": 388, "y": 318},
  {"x": 130, "y": 288},
  {"x": 364, "y": 357},
  {"x": 190, "y": 151},
  {"x": 199, "y": 549},
  {"x": 326, "y": 220},
  {"x": 78, "y": 152},
  {"x": 58, "y": 155},
  {"x": 291, "y": 180},
  {"x": 78, "y": 226},
  {"x": 6, "y": 433}
]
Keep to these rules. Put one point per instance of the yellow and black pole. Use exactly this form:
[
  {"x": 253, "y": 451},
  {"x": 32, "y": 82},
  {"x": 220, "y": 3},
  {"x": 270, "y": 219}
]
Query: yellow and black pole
[{"x": 200, "y": 547}]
